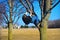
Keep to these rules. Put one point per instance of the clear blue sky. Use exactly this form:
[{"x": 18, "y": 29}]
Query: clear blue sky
[{"x": 55, "y": 13}]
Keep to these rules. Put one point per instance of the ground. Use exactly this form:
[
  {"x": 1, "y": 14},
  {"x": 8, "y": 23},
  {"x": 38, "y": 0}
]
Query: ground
[{"x": 30, "y": 34}]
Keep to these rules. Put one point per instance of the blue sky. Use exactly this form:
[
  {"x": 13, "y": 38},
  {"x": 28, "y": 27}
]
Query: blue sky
[{"x": 55, "y": 13}]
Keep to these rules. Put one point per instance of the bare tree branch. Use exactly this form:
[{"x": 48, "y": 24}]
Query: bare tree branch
[
  {"x": 29, "y": 4},
  {"x": 19, "y": 13},
  {"x": 3, "y": 11},
  {"x": 52, "y": 8},
  {"x": 24, "y": 5}
]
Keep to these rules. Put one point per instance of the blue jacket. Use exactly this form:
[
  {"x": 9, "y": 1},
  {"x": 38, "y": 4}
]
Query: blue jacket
[{"x": 35, "y": 20}]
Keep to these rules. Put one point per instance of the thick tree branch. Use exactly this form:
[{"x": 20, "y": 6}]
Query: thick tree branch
[{"x": 51, "y": 8}]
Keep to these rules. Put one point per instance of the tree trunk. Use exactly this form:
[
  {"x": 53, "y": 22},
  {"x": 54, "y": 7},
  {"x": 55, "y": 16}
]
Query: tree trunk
[
  {"x": 10, "y": 31},
  {"x": 43, "y": 28},
  {"x": 10, "y": 26},
  {"x": 0, "y": 32}
]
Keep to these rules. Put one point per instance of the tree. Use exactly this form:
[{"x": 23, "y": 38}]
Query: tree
[
  {"x": 54, "y": 24},
  {"x": 10, "y": 21},
  {"x": 6, "y": 15},
  {"x": 24, "y": 6},
  {"x": 3, "y": 16},
  {"x": 43, "y": 23},
  {"x": 33, "y": 27},
  {"x": 46, "y": 8}
]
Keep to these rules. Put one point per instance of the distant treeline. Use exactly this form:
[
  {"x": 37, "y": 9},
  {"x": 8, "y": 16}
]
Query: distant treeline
[
  {"x": 51, "y": 24},
  {"x": 54, "y": 24}
]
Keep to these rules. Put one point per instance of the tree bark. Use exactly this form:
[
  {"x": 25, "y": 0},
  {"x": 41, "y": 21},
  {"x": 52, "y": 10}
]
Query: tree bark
[
  {"x": 10, "y": 26},
  {"x": 44, "y": 25},
  {"x": 10, "y": 31},
  {"x": 0, "y": 32}
]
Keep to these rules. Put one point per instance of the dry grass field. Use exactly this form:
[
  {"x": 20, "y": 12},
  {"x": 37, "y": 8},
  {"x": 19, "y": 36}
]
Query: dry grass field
[{"x": 30, "y": 34}]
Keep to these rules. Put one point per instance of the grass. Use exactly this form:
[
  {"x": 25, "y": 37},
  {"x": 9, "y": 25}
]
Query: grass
[{"x": 30, "y": 34}]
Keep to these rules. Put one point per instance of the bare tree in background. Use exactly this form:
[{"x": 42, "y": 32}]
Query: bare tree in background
[
  {"x": 8, "y": 19},
  {"x": 3, "y": 16}
]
